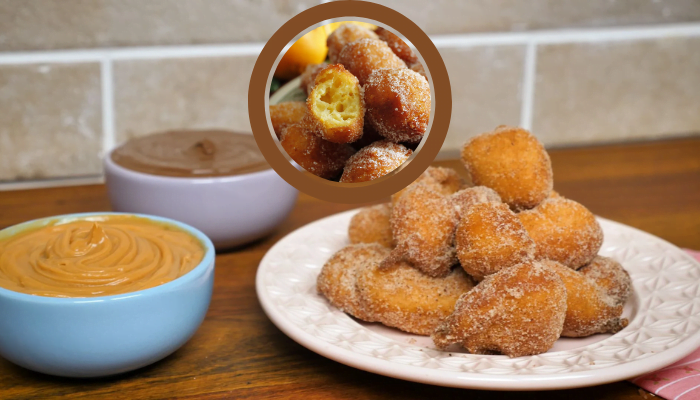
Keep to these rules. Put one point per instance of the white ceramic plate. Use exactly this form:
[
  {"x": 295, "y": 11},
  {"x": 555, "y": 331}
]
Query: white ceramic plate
[{"x": 664, "y": 314}]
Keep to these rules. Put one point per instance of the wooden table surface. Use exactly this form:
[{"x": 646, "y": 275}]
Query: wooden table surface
[{"x": 239, "y": 353}]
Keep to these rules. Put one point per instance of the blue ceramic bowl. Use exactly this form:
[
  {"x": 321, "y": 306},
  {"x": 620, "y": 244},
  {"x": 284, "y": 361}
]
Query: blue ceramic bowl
[{"x": 98, "y": 336}]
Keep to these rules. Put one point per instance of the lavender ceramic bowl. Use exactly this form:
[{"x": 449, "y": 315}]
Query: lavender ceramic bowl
[{"x": 230, "y": 210}]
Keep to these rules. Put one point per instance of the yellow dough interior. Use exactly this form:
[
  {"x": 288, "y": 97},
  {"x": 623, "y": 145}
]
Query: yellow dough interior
[{"x": 336, "y": 100}]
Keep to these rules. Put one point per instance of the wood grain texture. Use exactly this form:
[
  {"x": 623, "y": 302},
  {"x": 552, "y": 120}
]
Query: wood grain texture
[{"x": 239, "y": 353}]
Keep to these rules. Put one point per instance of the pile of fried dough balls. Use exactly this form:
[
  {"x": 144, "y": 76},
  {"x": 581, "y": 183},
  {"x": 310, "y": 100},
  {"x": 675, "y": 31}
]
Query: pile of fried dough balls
[
  {"x": 503, "y": 267},
  {"x": 365, "y": 112}
]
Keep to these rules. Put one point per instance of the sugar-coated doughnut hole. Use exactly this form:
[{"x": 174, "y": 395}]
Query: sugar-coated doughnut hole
[
  {"x": 512, "y": 162},
  {"x": 364, "y": 56},
  {"x": 398, "y": 104},
  {"x": 319, "y": 157},
  {"x": 372, "y": 225},
  {"x": 489, "y": 238},
  {"x": 344, "y": 34},
  {"x": 374, "y": 161},
  {"x": 445, "y": 181},
  {"x": 468, "y": 197},
  {"x": 397, "y": 45},
  {"x": 285, "y": 114}
]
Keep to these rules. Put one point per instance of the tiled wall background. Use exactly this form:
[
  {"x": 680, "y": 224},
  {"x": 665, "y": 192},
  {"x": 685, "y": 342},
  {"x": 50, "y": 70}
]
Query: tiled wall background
[{"x": 79, "y": 76}]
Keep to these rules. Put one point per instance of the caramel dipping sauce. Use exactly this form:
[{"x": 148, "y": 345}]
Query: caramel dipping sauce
[
  {"x": 203, "y": 153},
  {"x": 96, "y": 256}
]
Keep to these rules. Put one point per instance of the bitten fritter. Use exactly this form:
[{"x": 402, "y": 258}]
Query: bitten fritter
[
  {"x": 285, "y": 114},
  {"x": 465, "y": 198},
  {"x": 400, "y": 296},
  {"x": 589, "y": 309},
  {"x": 398, "y": 104},
  {"x": 374, "y": 161},
  {"x": 512, "y": 162},
  {"x": 490, "y": 238},
  {"x": 397, "y": 45},
  {"x": 308, "y": 77},
  {"x": 610, "y": 277},
  {"x": 344, "y": 34},
  {"x": 338, "y": 277},
  {"x": 335, "y": 104},
  {"x": 423, "y": 223},
  {"x": 319, "y": 157},
  {"x": 372, "y": 225},
  {"x": 518, "y": 311},
  {"x": 564, "y": 231},
  {"x": 445, "y": 181},
  {"x": 365, "y": 56}
]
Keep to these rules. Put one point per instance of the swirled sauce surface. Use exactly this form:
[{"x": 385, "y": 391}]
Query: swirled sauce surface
[
  {"x": 97, "y": 256},
  {"x": 202, "y": 153}
]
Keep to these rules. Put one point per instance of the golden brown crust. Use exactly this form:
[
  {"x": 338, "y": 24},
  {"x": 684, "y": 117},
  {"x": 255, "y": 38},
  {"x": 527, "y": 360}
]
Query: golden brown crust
[
  {"x": 344, "y": 34},
  {"x": 517, "y": 311},
  {"x": 423, "y": 223},
  {"x": 512, "y": 162},
  {"x": 400, "y": 296},
  {"x": 418, "y": 67},
  {"x": 610, "y": 277},
  {"x": 465, "y": 198},
  {"x": 338, "y": 277},
  {"x": 319, "y": 157},
  {"x": 489, "y": 238},
  {"x": 285, "y": 114},
  {"x": 589, "y": 309},
  {"x": 397, "y": 45},
  {"x": 335, "y": 105},
  {"x": 398, "y": 104},
  {"x": 374, "y": 161},
  {"x": 364, "y": 56},
  {"x": 372, "y": 225},
  {"x": 564, "y": 231}
]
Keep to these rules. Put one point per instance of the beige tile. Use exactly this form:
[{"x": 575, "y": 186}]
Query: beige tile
[
  {"x": 52, "y": 24},
  {"x": 50, "y": 124},
  {"x": 486, "y": 86},
  {"x": 449, "y": 16},
  {"x": 197, "y": 93},
  {"x": 609, "y": 92}
]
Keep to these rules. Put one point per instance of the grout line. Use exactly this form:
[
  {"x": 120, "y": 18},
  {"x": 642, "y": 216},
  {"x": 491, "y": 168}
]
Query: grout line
[
  {"x": 108, "y": 138},
  {"x": 458, "y": 40},
  {"x": 49, "y": 183},
  {"x": 568, "y": 35},
  {"x": 528, "y": 93}
]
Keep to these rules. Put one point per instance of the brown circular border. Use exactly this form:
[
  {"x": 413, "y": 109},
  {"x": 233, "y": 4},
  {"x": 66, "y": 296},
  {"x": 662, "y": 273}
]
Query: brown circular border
[{"x": 342, "y": 192}]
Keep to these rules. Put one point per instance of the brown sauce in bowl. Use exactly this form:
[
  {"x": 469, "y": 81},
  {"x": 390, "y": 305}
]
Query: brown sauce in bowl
[{"x": 197, "y": 153}]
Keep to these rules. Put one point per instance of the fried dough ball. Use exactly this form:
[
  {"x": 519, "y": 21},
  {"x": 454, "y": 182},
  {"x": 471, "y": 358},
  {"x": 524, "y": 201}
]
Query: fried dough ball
[
  {"x": 372, "y": 225},
  {"x": 365, "y": 56},
  {"x": 468, "y": 197},
  {"x": 445, "y": 181},
  {"x": 374, "y": 161},
  {"x": 564, "y": 231},
  {"x": 512, "y": 162},
  {"x": 308, "y": 77},
  {"x": 320, "y": 157},
  {"x": 398, "y": 104},
  {"x": 423, "y": 223},
  {"x": 285, "y": 114},
  {"x": 610, "y": 277},
  {"x": 335, "y": 104},
  {"x": 344, "y": 34},
  {"x": 402, "y": 297},
  {"x": 418, "y": 67},
  {"x": 517, "y": 311},
  {"x": 338, "y": 277},
  {"x": 589, "y": 309},
  {"x": 397, "y": 45},
  {"x": 490, "y": 238}
]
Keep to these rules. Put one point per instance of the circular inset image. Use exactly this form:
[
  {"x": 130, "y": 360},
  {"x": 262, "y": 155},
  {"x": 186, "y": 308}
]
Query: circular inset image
[{"x": 349, "y": 108}]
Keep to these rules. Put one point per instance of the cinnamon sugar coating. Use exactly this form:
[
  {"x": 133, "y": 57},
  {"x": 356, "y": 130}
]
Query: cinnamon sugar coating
[
  {"x": 374, "y": 161},
  {"x": 364, "y": 56},
  {"x": 372, "y": 225}
]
